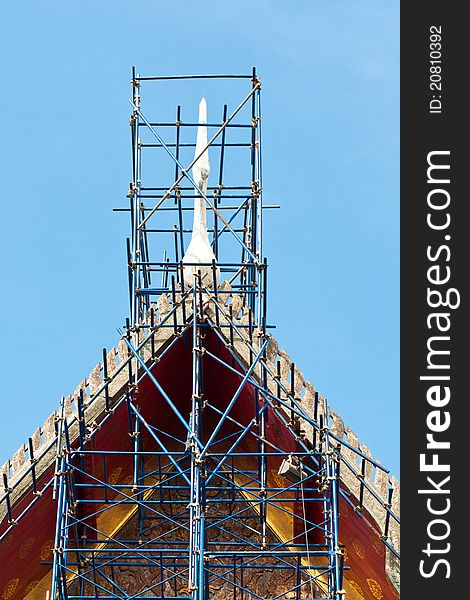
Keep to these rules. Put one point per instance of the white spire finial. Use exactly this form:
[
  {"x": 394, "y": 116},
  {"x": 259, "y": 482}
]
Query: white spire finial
[
  {"x": 201, "y": 168},
  {"x": 200, "y": 249}
]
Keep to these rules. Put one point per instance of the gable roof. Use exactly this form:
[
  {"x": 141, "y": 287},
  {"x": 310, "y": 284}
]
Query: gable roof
[{"x": 370, "y": 495}]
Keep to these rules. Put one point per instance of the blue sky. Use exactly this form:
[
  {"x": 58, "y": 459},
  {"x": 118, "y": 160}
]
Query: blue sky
[{"x": 331, "y": 159}]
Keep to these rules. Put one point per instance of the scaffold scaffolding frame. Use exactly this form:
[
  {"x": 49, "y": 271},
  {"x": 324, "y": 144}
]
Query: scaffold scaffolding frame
[{"x": 221, "y": 482}]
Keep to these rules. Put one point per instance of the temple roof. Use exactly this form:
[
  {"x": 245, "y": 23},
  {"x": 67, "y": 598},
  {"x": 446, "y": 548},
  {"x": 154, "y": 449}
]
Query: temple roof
[{"x": 370, "y": 496}]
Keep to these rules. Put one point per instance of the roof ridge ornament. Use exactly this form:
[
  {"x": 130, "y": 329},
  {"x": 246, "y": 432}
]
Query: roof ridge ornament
[{"x": 200, "y": 249}]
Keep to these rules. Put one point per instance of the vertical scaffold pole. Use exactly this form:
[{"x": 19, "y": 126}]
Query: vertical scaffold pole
[
  {"x": 196, "y": 506},
  {"x": 134, "y": 197}
]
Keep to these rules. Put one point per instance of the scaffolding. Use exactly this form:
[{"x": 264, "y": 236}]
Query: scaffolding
[
  {"x": 236, "y": 207},
  {"x": 221, "y": 484}
]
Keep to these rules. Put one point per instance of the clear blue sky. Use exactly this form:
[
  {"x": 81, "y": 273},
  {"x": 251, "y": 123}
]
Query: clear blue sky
[{"x": 331, "y": 120}]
